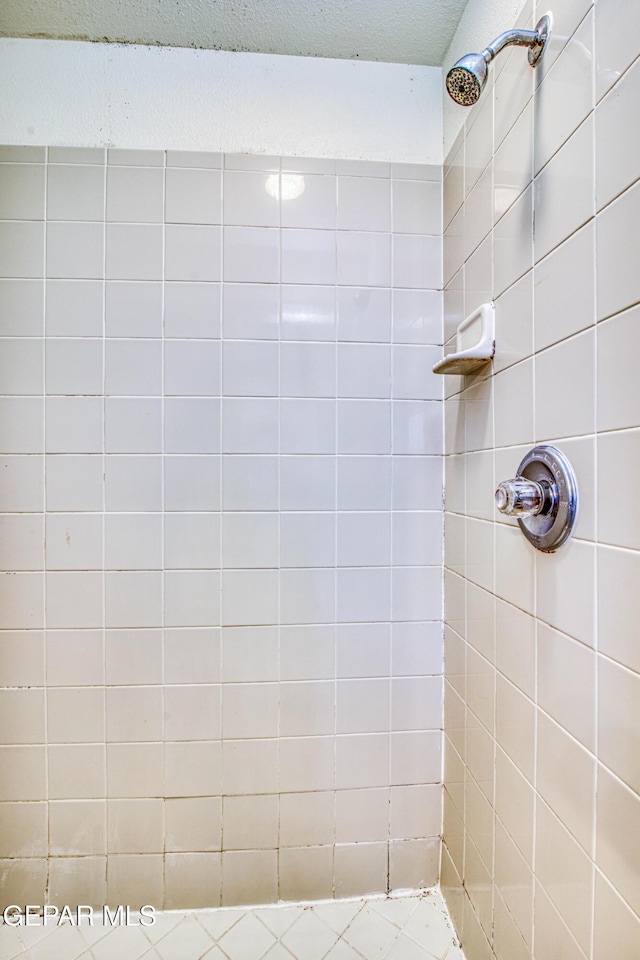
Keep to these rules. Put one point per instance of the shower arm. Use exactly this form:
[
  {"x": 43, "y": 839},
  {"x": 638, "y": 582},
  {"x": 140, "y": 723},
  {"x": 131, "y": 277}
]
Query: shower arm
[{"x": 534, "y": 39}]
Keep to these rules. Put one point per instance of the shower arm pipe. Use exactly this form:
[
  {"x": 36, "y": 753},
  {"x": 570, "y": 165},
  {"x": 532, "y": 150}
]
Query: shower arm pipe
[{"x": 518, "y": 38}]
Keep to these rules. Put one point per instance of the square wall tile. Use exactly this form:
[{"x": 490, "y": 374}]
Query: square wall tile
[
  {"x": 75, "y": 251},
  {"x": 21, "y": 308},
  {"x": 250, "y": 369},
  {"x": 364, "y": 259},
  {"x": 133, "y": 309},
  {"x": 74, "y": 308},
  {"x": 251, "y": 255},
  {"x": 364, "y": 203},
  {"x": 22, "y": 248},
  {"x": 23, "y": 191},
  {"x": 251, "y": 311},
  {"x": 250, "y": 200},
  {"x": 192, "y": 310},
  {"x": 191, "y": 368},
  {"x": 308, "y": 256},
  {"x": 417, "y": 207},
  {"x": 192, "y": 252},
  {"x": 193, "y": 196},
  {"x": 314, "y": 208},
  {"x": 75, "y": 192},
  {"x": 134, "y": 252}
]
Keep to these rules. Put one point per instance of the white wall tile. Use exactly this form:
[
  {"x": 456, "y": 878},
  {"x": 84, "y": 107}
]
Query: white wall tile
[
  {"x": 307, "y": 370},
  {"x": 133, "y": 425},
  {"x": 364, "y": 203},
  {"x": 364, "y": 594},
  {"x": 191, "y": 425},
  {"x": 132, "y": 483},
  {"x": 364, "y": 259},
  {"x": 249, "y": 369},
  {"x": 74, "y": 192},
  {"x": 250, "y": 540},
  {"x": 250, "y": 483},
  {"x": 192, "y": 598},
  {"x": 364, "y": 483},
  {"x": 307, "y": 312},
  {"x": 573, "y": 706},
  {"x": 616, "y": 26},
  {"x": 133, "y": 368},
  {"x": 564, "y": 294},
  {"x": 417, "y": 316},
  {"x": 133, "y": 309},
  {"x": 617, "y": 403},
  {"x": 247, "y": 201},
  {"x": 307, "y": 426},
  {"x": 74, "y": 483},
  {"x": 307, "y": 596},
  {"x": 21, "y": 308},
  {"x": 192, "y": 540},
  {"x": 364, "y": 426},
  {"x": 73, "y": 542},
  {"x": 307, "y": 483},
  {"x": 564, "y": 191},
  {"x": 417, "y": 207},
  {"x": 617, "y": 571},
  {"x": 617, "y": 279},
  {"x": 21, "y": 367},
  {"x": 364, "y": 540},
  {"x": 307, "y": 539},
  {"x": 251, "y": 255},
  {"x": 364, "y": 370},
  {"x": 134, "y": 252},
  {"x": 249, "y": 596},
  {"x": 417, "y": 427},
  {"x": 74, "y": 250},
  {"x": 250, "y": 311},
  {"x": 565, "y": 98},
  {"x": 74, "y": 425},
  {"x": 192, "y": 252},
  {"x": 133, "y": 599},
  {"x": 618, "y": 517},
  {"x": 192, "y": 196},
  {"x": 134, "y": 194},
  {"x": 315, "y": 207},
  {"x": 191, "y": 368},
  {"x": 308, "y": 256},
  {"x": 417, "y": 262},
  {"x": 192, "y": 483}
]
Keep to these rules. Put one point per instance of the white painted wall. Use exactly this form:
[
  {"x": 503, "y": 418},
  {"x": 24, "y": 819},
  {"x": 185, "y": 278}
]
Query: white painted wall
[{"x": 91, "y": 94}]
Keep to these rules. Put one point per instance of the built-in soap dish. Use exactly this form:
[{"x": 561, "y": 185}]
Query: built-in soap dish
[{"x": 475, "y": 343}]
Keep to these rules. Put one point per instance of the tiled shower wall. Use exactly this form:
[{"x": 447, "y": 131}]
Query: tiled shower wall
[
  {"x": 542, "y": 662},
  {"x": 221, "y": 496}
]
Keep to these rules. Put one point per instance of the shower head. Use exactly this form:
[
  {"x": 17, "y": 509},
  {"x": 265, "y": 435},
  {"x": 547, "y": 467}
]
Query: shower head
[
  {"x": 466, "y": 79},
  {"x": 468, "y": 76}
]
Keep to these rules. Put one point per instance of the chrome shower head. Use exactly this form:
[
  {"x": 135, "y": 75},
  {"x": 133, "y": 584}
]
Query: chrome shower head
[{"x": 467, "y": 77}]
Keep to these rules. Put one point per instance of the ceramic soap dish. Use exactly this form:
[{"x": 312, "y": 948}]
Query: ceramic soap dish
[{"x": 475, "y": 343}]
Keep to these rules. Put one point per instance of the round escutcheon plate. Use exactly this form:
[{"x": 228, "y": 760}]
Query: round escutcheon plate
[{"x": 549, "y": 531}]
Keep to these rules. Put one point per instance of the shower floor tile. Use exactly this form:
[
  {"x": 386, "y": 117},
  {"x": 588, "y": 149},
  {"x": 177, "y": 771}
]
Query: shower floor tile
[{"x": 415, "y": 927}]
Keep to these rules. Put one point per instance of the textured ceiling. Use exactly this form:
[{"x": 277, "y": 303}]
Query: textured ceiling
[{"x": 395, "y": 31}]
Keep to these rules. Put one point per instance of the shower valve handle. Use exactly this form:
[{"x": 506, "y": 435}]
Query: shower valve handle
[{"x": 525, "y": 498}]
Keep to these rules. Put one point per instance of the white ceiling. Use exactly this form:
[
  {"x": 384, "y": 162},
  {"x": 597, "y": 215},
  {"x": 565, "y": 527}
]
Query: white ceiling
[{"x": 394, "y": 31}]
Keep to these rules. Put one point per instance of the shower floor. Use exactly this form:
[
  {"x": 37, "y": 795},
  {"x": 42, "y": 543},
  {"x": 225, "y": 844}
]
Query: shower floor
[{"x": 414, "y": 927}]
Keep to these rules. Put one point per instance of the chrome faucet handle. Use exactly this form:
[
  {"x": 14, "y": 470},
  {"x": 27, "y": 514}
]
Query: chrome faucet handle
[
  {"x": 543, "y": 497},
  {"x": 524, "y": 498}
]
